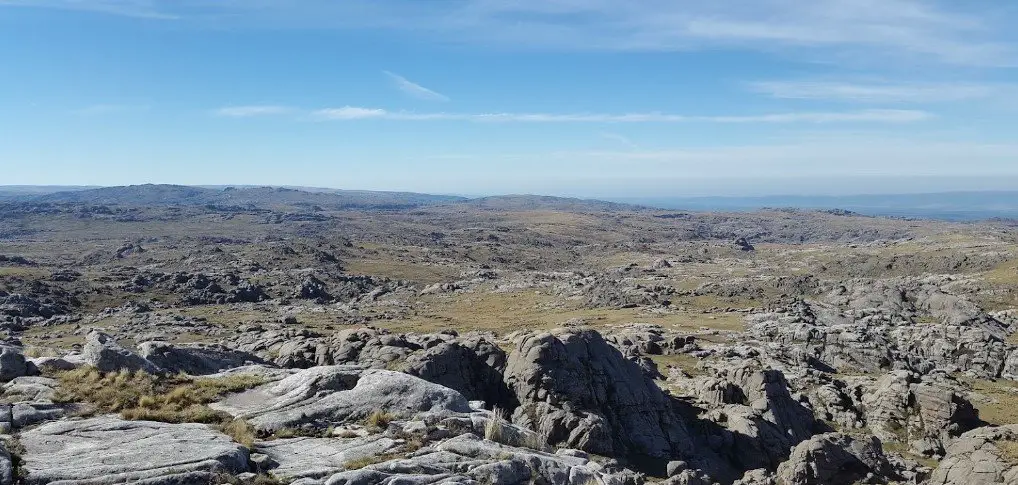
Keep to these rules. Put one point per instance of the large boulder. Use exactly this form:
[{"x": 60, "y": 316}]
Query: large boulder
[
  {"x": 762, "y": 421},
  {"x": 304, "y": 457},
  {"x": 580, "y": 392},
  {"x": 472, "y": 367},
  {"x": 105, "y": 354},
  {"x": 982, "y": 456},
  {"x": 920, "y": 411},
  {"x": 13, "y": 364},
  {"x": 107, "y": 450},
  {"x": 195, "y": 359},
  {"x": 835, "y": 459},
  {"x": 467, "y": 459},
  {"x": 319, "y": 397},
  {"x": 6, "y": 466}
]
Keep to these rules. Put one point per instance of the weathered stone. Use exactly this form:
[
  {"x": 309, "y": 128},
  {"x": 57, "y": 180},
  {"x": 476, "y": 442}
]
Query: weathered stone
[{"x": 106, "y": 450}]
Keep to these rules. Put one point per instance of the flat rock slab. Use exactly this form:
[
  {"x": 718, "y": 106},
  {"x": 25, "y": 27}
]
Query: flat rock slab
[
  {"x": 109, "y": 450},
  {"x": 327, "y": 395},
  {"x": 320, "y": 457}
]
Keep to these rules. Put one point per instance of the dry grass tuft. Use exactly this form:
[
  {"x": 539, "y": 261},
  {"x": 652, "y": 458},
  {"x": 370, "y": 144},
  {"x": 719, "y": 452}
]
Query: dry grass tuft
[
  {"x": 143, "y": 396},
  {"x": 494, "y": 429},
  {"x": 379, "y": 420},
  {"x": 499, "y": 430},
  {"x": 358, "y": 463},
  {"x": 1008, "y": 451},
  {"x": 241, "y": 431}
]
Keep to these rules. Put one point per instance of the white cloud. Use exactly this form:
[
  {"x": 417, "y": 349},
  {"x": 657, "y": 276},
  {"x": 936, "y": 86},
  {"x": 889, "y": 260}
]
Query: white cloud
[
  {"x": 618, "y": 138},
  {"x": 868, "y": 31},
  {"x": 348, "y": 113},
  {"x": 253, "y": 111},
  {"x": 149, "y": 9},
  {"x": 878, "y": 92},
  {"x": 106, "y": 109},
  {"x": 414, "y": 89}
]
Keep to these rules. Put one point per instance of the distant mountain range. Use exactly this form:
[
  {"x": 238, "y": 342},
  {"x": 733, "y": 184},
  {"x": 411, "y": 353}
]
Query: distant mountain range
[
  {"x": 255, "y": 197},
  {"x": 957, "y": 206}
]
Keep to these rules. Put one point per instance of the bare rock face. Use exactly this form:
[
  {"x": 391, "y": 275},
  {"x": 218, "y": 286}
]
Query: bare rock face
[
  {"x": 300, "y": 348},
  {"x": 982, "y": 456},
  {"x": 107, "y": 450},
  {"x": 14, "y": 365},
  {"x": 6, "y": 466},
  {"x": 835, "y": 459},
  {"x": 761, "y": 421},
  {"x": 105, "y": 354},
  {"x": 195, "y": 359},
  {"x": 580, "y": 392},
  {"x": 473, "y": 367},
  {"x": 322, "y": 396},
  {"x": 467, "y": 459},
  {"x": 875, "y": 326},
  {"x": 923, "y": 412}
]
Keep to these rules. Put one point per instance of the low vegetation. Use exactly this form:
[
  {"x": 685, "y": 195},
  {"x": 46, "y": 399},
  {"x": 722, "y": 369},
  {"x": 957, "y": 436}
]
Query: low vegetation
[
  {"x": 379, "y": 420},
  {"x": 358, "y": 463},
  {"x": 143, "y": 396},
  {"x": 499, "y": 430}
]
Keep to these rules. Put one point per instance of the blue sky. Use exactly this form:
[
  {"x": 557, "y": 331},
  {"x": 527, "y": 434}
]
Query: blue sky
[{"x": 570, "y": 97}]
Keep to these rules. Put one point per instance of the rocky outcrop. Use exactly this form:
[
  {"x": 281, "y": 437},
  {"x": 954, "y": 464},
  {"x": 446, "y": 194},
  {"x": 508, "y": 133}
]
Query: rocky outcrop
[
  {"x": 473, "y": 367},
  {"x": 13, "y": 364},
  {"x": 579, "y": 391},
  {"x": 835, "y": 459},
  {"x": 468, "y": 459},
  {"x": 195, "y": 359},
  {"x": 300, "y": 348},
  {"x": 923, "y": 412},
  {"x": 319, "y": 397},
  {"x": 982, "y": 456},
  {"x": 105, "y": 354},
  {"x": 760, "y": 420},
  {"x": 106, "y": 450},
  {"x": 293, "y": 458},
  {"x": 876, "y": 326},
  {"x": 6, "y": 466}
]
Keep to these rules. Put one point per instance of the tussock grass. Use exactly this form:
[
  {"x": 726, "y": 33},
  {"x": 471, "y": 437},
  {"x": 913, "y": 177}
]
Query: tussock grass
[
  {"x": 142, "y": 396},
  {"x": 241, "y": 431},
  {"x": 499, "y": 430},
  {"x": 1008, "y": 451},
  {"x": 379, "y": 420}
]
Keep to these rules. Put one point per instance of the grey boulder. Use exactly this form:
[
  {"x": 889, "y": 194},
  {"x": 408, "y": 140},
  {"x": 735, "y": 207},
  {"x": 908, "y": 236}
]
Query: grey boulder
[
  {"x": 107, "y": 450},
  {"x": 195, "y": 359},
  {"x": 105, "y": 354},
  {"x": 835, "y": 459},
  {"x": 980, "y": 457},
  {"x": 13, "y": 364},
  {"x": 323, "y": 396}
]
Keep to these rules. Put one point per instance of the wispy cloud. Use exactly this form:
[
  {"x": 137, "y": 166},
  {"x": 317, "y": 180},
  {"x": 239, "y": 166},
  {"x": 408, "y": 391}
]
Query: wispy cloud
[
  {"x": 944, "y": 31},
  {"x": 253, "y": 111},
  {"x": 106, "y": 109},
  {"x": 149, "y": 9},
  {"x": 878, "y": 92},
  {"x": 413, "y": 89},
  {"x": 348, "y": 113},
  {"x": 621, "y": 139}
]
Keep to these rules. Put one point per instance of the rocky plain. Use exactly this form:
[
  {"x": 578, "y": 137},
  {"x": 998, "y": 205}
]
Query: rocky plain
[{"x": 177, "y": 335}]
